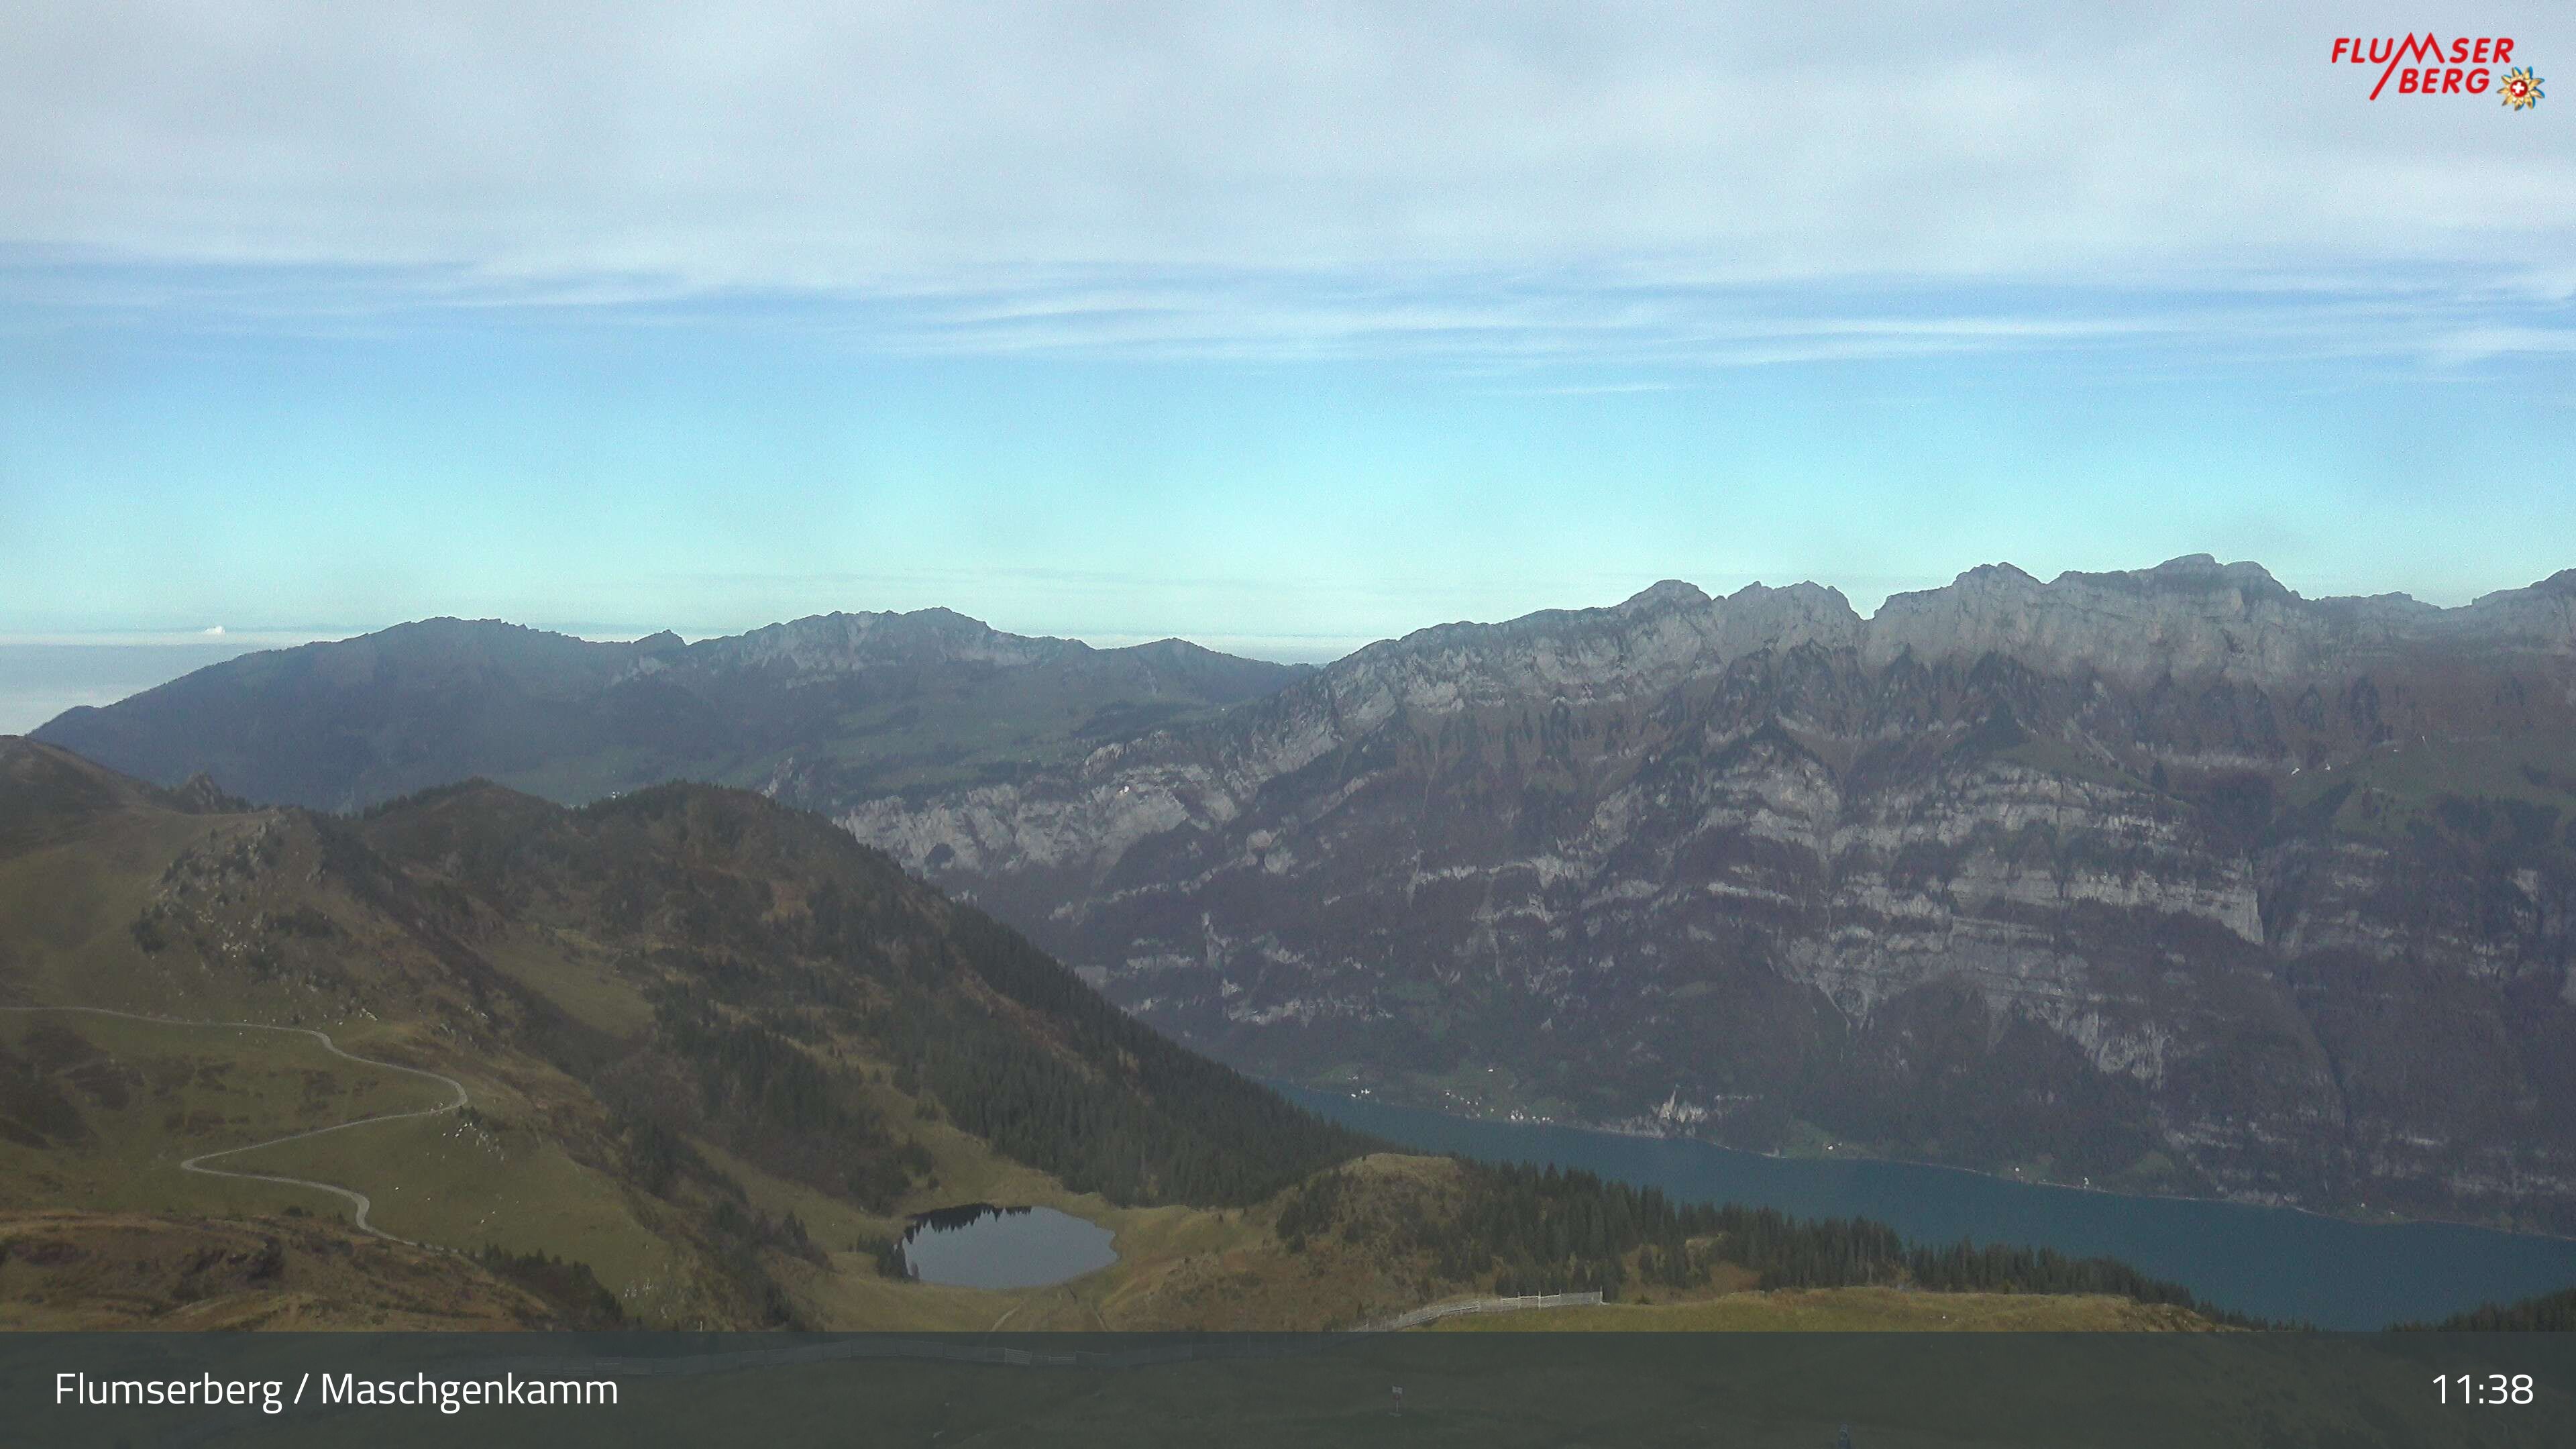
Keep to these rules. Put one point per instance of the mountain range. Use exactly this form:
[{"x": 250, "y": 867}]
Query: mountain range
[
  {"x": 2164, "y": 880},
  {"x": 834, "y": 708}
]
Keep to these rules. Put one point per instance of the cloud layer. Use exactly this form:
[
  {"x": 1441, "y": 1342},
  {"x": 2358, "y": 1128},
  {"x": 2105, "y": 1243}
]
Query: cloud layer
[{"x": 1131, "y": 175}]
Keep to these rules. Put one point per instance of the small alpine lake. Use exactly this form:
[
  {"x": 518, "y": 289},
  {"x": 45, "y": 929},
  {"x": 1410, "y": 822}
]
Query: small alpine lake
[
  {"x": 978, "y": 1245},
  {"x": 2270, "y": 1262}
]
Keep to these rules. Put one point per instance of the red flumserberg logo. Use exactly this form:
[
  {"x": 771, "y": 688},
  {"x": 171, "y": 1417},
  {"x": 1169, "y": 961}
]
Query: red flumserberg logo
[{"x": 2427, "y": 65}]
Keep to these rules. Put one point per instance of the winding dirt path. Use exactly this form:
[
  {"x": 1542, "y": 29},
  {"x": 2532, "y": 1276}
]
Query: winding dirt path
[{"x": 197, "y": 1164}]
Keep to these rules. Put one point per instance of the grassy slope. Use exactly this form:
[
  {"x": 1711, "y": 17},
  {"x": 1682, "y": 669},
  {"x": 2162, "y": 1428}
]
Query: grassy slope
[
  {"x": 87, "y": 1270},
  {"x": 507, "y": 1177},
  {"x": 1845, "y": 1310},
  {"x": 147, "y": 1096},
  {"x": 70, "y": 902},
  {"x": 537, "y": 1165},
  {"x": 2389, "y": 790}
]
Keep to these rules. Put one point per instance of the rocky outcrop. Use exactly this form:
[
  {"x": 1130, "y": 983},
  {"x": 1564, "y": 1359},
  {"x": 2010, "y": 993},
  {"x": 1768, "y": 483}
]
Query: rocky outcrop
[{"x": 2169, "y": 880}]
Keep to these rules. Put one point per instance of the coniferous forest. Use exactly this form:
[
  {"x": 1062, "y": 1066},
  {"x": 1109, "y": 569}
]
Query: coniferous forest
[
  {"x": 2548, "y": 1313},
  {"x": 1526, "y": 1229},
  {"x": 767, "y": 1023}
]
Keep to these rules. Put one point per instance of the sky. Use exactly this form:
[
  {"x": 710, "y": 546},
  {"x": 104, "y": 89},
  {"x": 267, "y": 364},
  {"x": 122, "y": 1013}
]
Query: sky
[{"x": 1279, "y": 331}]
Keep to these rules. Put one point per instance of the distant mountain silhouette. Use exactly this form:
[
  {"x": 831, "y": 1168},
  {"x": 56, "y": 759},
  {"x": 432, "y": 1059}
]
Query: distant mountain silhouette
[{"x": 822, "y": 711}]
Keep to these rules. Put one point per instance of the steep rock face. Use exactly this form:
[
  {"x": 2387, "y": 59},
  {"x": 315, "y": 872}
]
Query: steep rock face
[{"x": 2167, "y": 880}]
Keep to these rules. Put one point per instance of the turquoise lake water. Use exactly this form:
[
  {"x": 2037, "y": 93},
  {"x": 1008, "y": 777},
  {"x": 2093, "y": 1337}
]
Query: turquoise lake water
[{"x": 2271, "y": 1262}]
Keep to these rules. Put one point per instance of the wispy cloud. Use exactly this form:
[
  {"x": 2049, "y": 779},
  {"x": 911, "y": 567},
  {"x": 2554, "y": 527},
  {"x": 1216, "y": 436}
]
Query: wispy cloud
[
  {"x": 2477, "y": 344},
  {"x": 1628, "y": 184},
  {"x": 1591, "y": 318}
]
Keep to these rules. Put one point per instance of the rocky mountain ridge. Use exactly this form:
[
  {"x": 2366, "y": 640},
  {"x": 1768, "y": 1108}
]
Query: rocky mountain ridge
[
  {"x": 820, "y": 710},
  {"x": 2168, "y": 878}
]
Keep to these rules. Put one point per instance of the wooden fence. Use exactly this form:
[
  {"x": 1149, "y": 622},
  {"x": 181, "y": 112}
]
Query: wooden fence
[
  {"x": 1421, "y": 1316},
  {"x": 1176, "y": 1349}
]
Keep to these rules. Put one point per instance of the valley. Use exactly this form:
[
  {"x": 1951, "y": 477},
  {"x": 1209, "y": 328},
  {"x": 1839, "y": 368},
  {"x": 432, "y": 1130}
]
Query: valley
[
  {"x": 682, "y": 1059},
  {"x": 2270, "y": 1262},
  {"x": 2166, "y": 881},
  {"x": 1487, "y": 725}
]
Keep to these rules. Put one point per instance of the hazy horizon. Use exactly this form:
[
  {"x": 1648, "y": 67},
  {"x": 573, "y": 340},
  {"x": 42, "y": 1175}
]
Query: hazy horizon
[
  {"x": 40, "y": 677},
  {"x": 1281, "y": 333}
]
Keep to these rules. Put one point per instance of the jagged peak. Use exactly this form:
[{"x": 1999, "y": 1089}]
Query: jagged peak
[
  {"x": 934, "y": 619},
  {"x": 1806, "y": 593},
  {"x": 2190, "y": 573},
  {"x": 445, "y": 627},
  {"x": 2203, "y": 569},
  {"x": 1658, "y": 636},
  {"x": 2194, "y": 574},
  {"x": 1995, "y": 573},
  {"x": 200, "y": 795},
  {"x": 1663, "y": 594},
  {"x": 448, "y": 624},
  {"x": 837, "y": 642}
]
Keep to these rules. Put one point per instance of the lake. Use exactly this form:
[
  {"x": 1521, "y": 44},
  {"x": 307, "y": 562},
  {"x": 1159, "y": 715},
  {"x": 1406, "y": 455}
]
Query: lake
[
  {"x": 979, "y": 1245},
  {"x": 2271, "y": 1262}
]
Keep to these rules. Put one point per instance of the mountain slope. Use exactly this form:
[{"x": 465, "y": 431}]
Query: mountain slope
[
  {"x": 823, "y": 711},
  {"x": 710, "y": 1045},
  {"x": 2170, "y": 879},
  {"x": 712, "y": 1056}
]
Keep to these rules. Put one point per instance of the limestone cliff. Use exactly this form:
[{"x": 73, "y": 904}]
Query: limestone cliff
[{"x": 2168, "y": 879}]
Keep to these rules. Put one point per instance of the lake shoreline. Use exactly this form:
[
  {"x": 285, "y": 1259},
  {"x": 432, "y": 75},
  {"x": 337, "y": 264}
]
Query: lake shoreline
[
  {"x": 1652, "y": 1135},
  {"x": 2275, "y": 1261}
]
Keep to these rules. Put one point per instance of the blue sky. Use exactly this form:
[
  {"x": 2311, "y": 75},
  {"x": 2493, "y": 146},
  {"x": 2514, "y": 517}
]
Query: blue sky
[{"x": 1126, "y": 321}]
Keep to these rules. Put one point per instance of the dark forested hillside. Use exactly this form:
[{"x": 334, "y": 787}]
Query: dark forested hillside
[
  {"x": 776, "y": 950},
  {"x": 1541, "y": 1230},
  {"x": 706, "y": 1042},
  {"x": 2548, "y": 1313}
]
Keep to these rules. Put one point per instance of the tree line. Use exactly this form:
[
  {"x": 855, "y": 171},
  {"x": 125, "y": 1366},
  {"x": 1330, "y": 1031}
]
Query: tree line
[
  {"x": 1528, "y": 1229},
  {"x": 2549, "y": 1313}
]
